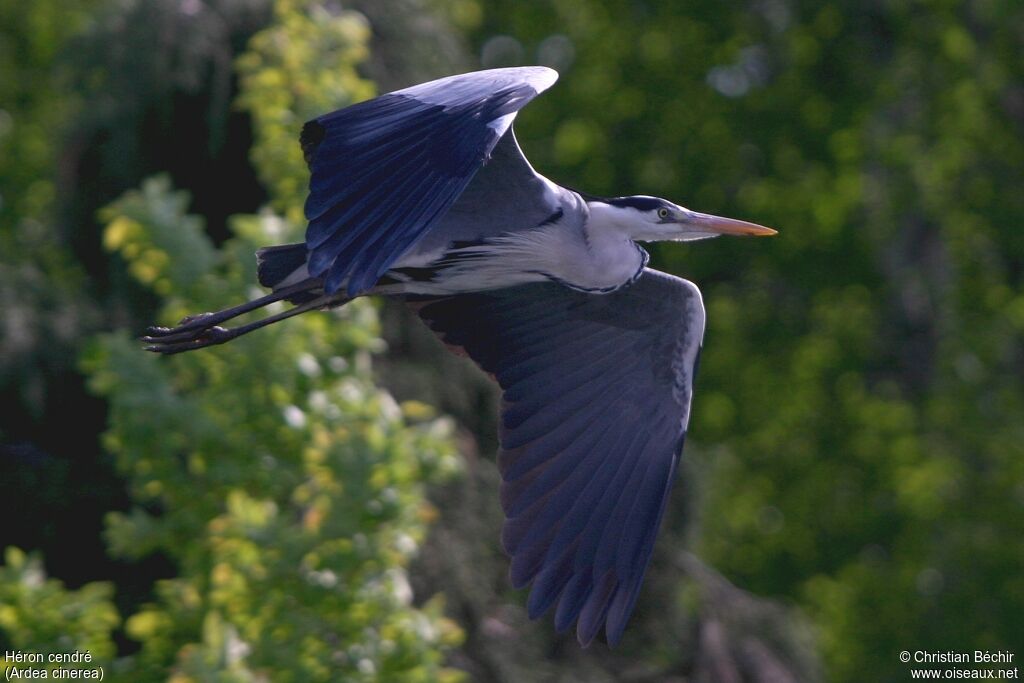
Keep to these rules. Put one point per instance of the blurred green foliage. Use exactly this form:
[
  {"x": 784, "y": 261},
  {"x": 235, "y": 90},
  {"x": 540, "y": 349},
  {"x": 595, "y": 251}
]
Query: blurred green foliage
[
  {"x": 39, "y": 615},
  {"x": 856, "y": 447},
  {"x": 286, "y": 487},
  {"x": 289, "y": 490},
  {"x": 33, "y": 35},
  {"x": 37, "y": 274}
]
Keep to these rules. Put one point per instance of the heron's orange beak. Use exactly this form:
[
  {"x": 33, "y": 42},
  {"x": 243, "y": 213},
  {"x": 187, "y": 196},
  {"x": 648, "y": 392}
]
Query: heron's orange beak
[{"x": 728, "y": 226}]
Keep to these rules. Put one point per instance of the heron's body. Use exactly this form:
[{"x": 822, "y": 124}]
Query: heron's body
[
  {"x": 425, "y": 194},
  {"x": 569, "y": 246},
  {"x": 575, "y": 245}
]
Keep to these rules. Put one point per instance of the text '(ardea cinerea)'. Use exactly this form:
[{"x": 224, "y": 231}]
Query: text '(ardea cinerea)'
[{"x": 424, "y": 194}]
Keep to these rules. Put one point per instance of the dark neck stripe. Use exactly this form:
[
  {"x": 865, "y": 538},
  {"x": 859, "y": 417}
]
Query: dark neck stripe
[
  {"x": 633, "y": 202},
  {"x": 638, "y": 203}
]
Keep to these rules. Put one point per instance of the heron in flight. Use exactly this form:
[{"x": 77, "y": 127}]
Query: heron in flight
[{"x": 424, "y": 194}]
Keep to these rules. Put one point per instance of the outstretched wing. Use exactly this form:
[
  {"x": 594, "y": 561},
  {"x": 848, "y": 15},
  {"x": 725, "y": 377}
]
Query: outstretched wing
[
  {"x": 596, "y": 400},
  {"x": 384, "y": 171}
]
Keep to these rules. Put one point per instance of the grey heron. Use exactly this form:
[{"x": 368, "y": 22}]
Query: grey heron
[{"x": 424, "y": 194}]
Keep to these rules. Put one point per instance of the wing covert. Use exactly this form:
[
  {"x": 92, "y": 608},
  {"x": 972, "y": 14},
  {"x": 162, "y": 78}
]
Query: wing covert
[
  {"x": 384, "y": 171},
  {"x": 596, "y": 394},
  {"x": 505, "y": 195}
]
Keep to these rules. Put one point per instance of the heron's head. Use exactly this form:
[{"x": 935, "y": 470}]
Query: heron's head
[{"x": 651, "y": 219}]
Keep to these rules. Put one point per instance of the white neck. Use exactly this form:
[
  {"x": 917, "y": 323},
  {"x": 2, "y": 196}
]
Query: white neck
[
  {"x": 612, "y": 256},
  {"x": 613, "y": 222}
]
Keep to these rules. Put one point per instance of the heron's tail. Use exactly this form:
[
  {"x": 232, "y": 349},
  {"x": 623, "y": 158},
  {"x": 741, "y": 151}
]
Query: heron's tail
[{"x": 274, "y": 265}]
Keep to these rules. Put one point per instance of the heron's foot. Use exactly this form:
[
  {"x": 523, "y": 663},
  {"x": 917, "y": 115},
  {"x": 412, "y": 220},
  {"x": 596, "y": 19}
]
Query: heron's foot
[
  {"x": 198, "y": 331},
  {"x": 190, "y": 323},
  {"x": 188, "y": 340},
  {"x": 165, "y": 335}
]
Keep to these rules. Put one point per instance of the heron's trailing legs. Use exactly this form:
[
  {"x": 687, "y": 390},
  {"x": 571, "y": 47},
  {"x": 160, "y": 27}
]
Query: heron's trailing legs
[
  {"x": 198, "y": 331},
  {"x": 202, "y": 321}
]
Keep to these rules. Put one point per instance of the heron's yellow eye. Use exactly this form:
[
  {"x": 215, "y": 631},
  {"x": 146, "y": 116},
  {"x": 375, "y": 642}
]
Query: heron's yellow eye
[{"x": 662, "y": 212}]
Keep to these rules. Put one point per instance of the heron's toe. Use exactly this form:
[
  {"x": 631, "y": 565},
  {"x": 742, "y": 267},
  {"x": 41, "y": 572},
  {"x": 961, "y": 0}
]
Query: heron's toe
[
  {"x": 188, "y": 340},
  {"x": 194, "y": 318}
]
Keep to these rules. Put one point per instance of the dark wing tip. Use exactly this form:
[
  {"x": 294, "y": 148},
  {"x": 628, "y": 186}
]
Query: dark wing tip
[{"x": 312, "y": 135}]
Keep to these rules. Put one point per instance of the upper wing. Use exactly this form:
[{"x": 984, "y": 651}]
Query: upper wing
[
  {"x": 384, "y": 171},
  {"x": 596, "y": 399}
]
